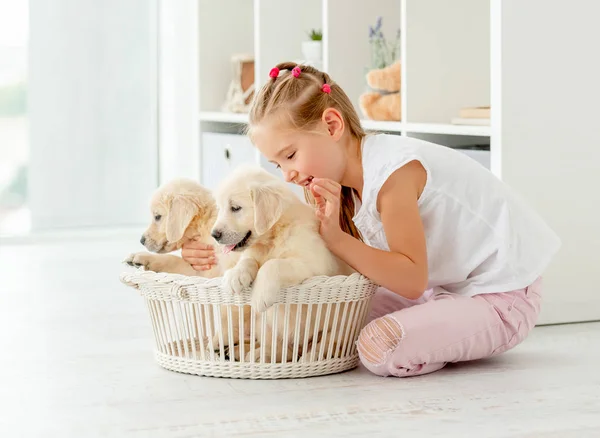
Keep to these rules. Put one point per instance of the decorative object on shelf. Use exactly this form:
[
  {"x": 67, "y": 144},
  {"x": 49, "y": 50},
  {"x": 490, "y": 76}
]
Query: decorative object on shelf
[
  {"x": 479, "y": 116},
  {"x": 478, "y": 112},
  {"x": 312, "y": 50},
  {"x": 241, "y": 89},
  {"x": 383, "y": 53},
  {"x": 383, "y": 103},
  {"x": 382, "y": 99}
]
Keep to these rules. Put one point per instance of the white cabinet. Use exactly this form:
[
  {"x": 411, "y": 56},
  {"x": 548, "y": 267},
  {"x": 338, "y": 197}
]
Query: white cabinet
[
  {"x": 482, "y": 157},
  {"x": 223, "y": 152}
]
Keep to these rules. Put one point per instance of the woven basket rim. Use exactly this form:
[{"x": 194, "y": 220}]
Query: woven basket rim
[
  {"x": 143, "y": 277},
  {"x": 176, "y": 287}
]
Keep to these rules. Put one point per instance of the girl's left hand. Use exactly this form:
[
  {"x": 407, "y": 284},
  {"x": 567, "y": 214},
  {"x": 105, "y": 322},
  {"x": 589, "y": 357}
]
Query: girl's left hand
[{"x": 327, "y": 196}]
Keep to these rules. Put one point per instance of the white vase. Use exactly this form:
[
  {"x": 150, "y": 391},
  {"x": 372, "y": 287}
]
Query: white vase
[{"x": 312, "y": 50}]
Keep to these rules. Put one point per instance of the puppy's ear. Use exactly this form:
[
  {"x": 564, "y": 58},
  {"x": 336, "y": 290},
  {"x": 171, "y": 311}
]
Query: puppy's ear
[
  {"x": 180, "y": 215},
  {"x": 268, "y": 206}
]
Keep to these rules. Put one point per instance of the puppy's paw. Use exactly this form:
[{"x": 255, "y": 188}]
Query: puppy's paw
[
  {"x": 256, "y": 355},
  {"x": 236, "y": 280},
  {"x": 236, "y": 351},
  {"x": 147, "y": 261},
  {"x": 129, "y": 259},
  {"x": 264, "y": 295},
  {"x": 135, "y": 259},
  {"x": 304, "y": 358},
  {"x": 262, "y": 302}
]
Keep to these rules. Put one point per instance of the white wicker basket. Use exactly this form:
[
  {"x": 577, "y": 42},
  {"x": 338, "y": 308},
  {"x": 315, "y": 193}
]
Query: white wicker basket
[{"x": 195, "y": 322}]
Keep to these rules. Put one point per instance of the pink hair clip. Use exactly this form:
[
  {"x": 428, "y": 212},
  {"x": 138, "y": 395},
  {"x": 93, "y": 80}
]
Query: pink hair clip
[
  {"x": 274, "y": 73},
  {"x": 296, "y": 71},
  {"x": 326, "y": 88}
]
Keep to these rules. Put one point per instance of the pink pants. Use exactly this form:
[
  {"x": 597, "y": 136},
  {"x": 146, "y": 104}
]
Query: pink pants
[{"x": 409, "y": 338}]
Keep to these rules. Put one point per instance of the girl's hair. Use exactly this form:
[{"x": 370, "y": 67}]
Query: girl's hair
[{"x": 298, "y": 96}]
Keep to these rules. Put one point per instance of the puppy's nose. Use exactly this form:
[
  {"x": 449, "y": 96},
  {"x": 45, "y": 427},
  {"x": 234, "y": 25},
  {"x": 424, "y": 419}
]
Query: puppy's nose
[
  {"x": 143, "y": 240},
  {"x": 216, "y": 234}
]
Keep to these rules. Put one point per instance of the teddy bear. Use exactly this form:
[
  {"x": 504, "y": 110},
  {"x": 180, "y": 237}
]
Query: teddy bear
[{"x": 383, "y": 103}]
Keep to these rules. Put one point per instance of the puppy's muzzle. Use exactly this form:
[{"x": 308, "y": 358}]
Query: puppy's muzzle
[{"x": 216, "y": 234}]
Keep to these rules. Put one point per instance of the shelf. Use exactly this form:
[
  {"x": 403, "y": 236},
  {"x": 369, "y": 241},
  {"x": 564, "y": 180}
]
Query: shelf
[
  {"x": 223, "y": 117},
  {"x": 379, "y": 125},
  {"x": 217, "y": 44},
  {"x": 372, "y": 125},
  {"x": 427, "y": 128},
  {"x": 447, "y": 128},
  {"x": 442, "y": 75}
]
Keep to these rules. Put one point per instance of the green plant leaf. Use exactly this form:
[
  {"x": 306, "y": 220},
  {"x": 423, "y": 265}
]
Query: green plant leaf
[{"x": 315, "y": 35}]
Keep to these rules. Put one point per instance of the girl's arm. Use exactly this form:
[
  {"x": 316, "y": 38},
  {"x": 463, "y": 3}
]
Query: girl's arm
[{"x": 403, "y": 269}]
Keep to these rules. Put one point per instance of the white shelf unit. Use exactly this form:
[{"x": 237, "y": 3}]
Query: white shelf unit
[
  {"x": 445, "y": 59},
  {"x": 541, "y": 86},
  {"x": 223, "y": 117},
  {"x": 371, "y": 125}
]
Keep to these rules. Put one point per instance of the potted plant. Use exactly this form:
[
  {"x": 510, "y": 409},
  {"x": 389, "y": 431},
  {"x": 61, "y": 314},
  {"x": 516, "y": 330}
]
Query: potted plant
[{"x": 312, "y": 50}]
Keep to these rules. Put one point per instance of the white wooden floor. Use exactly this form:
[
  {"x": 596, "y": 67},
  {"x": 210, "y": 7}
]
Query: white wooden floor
[{"x": 76, "y": 361}]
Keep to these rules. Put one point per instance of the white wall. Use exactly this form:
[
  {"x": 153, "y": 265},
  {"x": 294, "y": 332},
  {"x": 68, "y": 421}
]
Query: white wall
[{"x": 547, "y": 100}]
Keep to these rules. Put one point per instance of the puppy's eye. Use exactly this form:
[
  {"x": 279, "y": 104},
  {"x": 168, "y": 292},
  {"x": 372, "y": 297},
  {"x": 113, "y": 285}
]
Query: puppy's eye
[
  {"x": 157, "y": 217},
  {"x": 235, "y": 208}
]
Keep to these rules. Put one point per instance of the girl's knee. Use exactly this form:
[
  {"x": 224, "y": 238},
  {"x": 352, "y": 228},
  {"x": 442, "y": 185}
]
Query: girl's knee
[{"x": 378, "y": 340}]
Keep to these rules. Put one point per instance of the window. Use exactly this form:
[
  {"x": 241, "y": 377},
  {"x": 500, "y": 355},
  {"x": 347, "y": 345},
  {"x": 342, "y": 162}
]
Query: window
[
  {"x": 78, "y": 114},
  {"x": 15, "y": 217}
]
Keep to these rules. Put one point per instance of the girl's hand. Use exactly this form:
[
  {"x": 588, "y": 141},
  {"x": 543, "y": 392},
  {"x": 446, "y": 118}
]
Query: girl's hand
[
  {"x": 327, "y": 196},
  {"x": 200, "y": 255}
]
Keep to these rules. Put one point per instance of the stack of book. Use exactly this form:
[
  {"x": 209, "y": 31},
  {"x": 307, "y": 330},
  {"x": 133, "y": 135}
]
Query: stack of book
[{"x": 479, "y": 116}]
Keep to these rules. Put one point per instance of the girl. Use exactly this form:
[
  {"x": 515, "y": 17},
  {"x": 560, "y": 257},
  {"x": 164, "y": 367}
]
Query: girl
[{"x": 412, "y": 216}]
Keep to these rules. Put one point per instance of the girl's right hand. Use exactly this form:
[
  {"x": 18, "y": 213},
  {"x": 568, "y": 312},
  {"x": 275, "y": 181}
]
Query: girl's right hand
[
  {"x": 200, "y": 255},
  {"x": 327, "y": 196}
]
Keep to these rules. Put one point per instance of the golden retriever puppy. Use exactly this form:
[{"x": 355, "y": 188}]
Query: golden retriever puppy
[
  {"x": 183, "y": 210},
  {"x": 278, "y": 237}
]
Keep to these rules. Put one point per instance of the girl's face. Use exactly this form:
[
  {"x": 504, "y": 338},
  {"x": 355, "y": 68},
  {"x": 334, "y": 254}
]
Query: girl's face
[{"x": 301, "y": 156}]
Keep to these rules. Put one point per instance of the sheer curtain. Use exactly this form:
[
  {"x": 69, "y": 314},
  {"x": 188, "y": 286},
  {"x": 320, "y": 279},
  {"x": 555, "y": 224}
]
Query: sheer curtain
[{"x": 93, "y": 112}]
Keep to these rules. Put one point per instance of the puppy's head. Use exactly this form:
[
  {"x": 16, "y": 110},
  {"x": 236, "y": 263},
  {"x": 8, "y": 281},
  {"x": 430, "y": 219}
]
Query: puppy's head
[
  {"x": 174, "y": 207},
  {"x": 250, "y": 202}
]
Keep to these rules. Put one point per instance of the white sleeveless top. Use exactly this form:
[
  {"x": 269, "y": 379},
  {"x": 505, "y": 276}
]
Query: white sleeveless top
[{"x": 481, "y": 237}]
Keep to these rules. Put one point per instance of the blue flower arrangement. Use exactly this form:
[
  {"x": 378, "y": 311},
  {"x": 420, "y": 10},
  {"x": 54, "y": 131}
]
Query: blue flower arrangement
[{"x": 383, "y": 53}]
